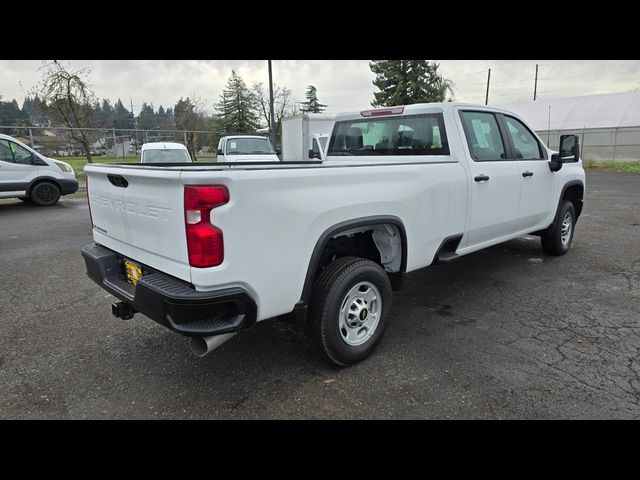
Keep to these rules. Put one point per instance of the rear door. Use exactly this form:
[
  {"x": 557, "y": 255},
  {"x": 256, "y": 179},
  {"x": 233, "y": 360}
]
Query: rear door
[
  {"x": 495, "y": 185},
  {"x": 537, "y": 180},
  {"x": 17, "y": 168}
]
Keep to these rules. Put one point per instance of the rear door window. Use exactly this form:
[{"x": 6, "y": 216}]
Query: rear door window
[{"x": 398, "y": 135}]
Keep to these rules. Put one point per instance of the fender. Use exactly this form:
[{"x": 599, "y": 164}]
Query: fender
[
  {"x": 564, "y": 189},
  {"x": 66, "y": 185},
  {"x": 41, "y": 179},
  {"x": 570, "y": 183},
  {"x": 395, "y": 277}
]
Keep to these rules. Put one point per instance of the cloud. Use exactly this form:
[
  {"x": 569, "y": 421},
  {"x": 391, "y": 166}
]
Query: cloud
[{"x": 342, "y": 84}]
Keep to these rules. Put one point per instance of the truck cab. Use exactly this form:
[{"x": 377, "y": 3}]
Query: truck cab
[{"x": 246, "y": 148}]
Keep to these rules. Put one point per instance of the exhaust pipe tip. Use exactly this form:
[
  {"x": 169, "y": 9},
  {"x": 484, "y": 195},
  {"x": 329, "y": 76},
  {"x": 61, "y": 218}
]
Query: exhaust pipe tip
[{"x": 201, "y": 346}]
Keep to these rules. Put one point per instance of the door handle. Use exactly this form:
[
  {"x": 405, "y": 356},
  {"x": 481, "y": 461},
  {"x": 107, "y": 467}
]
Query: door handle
[
  {"x": 527, "y": 174},
  {"x": 481, "y": 178}
]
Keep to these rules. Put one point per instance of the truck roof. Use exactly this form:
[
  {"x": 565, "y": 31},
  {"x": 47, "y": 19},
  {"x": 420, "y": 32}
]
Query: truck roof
[{"x": 418, "y": 108}]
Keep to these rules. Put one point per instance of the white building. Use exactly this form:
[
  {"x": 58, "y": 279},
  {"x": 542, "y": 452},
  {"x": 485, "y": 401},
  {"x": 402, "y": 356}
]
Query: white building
[{"x": 609, "y": 125}]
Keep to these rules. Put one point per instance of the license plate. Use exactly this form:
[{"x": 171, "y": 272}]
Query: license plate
[{"x": 132, "y": 271}]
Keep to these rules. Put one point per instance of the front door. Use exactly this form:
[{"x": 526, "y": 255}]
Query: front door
[
  {"x": 537, "y": 180},
  {"x": 16, "y": 168},
  {"x": 495, "y": 185}
]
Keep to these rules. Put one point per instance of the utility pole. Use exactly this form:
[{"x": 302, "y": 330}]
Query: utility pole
[
  {"x": 535, "y": 85},
  {"x": 273, "y": 121},
  {"x": 133, "y": 123},
  {"x": 486, "y": 98}
]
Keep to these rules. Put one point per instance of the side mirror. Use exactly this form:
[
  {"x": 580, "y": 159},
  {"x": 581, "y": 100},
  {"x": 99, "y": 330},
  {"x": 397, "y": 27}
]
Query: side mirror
[
  {"x": 278, "y": 151},
  {"x": 311, "y": 154},
  {"x": 569, "y": 148},
  {"x": 219, "y": 151},
  {"x": 569, "y": 152}
]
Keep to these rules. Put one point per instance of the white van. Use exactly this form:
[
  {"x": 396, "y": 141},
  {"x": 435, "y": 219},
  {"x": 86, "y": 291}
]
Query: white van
[
  {"x": 164, "y": 152},
  {"x": 30, "y": 176}
]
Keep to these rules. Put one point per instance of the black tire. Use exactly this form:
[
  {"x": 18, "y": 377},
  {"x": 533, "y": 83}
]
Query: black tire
[
  {"x": 330, "y": 292},
  {"x": 45, "y": 194},
  {"x": 552, "y": 243}
]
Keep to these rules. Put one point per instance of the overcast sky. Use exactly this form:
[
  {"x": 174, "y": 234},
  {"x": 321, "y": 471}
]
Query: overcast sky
[{"x": 342, "y": 84}]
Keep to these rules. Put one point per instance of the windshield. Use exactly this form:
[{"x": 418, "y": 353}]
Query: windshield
[
  {"x": 248, "y": 146},
  {"x": 399, "y": 135},
  {"x": 165, "y": 156}
]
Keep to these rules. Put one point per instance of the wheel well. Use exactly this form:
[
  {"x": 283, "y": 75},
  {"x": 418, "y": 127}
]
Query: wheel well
[
  {"x": 39, "y": 181},
  {"x": 380, "y": 243},
  {"x": 359, "y": 233},
  {"x": 574, "y": 194}
]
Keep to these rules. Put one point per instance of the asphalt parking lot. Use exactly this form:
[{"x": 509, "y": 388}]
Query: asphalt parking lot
[{"x": 503, "y": 333}]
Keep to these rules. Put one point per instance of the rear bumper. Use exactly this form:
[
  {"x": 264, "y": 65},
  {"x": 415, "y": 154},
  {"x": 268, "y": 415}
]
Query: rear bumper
[
  {"x": 171, "y": 302},
  {"x": 68, "y": 186}
]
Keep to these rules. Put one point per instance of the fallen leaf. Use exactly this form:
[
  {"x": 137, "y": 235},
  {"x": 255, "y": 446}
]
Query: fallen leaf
[{"x": 329, "y": 380}]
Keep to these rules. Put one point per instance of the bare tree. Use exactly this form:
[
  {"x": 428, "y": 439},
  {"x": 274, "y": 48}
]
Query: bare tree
[
  {"x": 283, "y": 104},
  {"x": 189, "y": 116},
  {"x": 69, "y": 96}
]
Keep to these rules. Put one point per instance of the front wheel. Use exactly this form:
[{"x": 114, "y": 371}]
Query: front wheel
[
  {"x": 557, "y": 241},
  {"x": 349, "y": 308},
  {"x": 45, "y": 194}
]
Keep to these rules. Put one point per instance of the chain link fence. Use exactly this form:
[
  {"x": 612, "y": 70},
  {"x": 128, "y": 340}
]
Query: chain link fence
[
  {"x": 111, "y": 144},
  {"x": 619, "y": 144}
]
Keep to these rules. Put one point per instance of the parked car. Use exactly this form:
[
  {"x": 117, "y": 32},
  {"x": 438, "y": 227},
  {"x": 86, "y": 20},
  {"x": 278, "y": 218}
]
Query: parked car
[
  {"x": 209, "y": 250},
  {"x": 30, "y": 176},
  {"x": 246, "y": 148},
  {"x": 164, "y": 152}
]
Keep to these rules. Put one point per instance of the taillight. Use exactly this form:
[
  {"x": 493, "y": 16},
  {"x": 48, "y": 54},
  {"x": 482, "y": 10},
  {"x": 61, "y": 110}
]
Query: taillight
[
  {"x": 379, "y": 112},
  {"x": 88, "y": 201},
  {"x": 204, "y": 241}
]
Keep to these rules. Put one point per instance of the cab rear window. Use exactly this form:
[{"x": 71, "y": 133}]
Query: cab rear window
[{"x": 394, "y": 135}]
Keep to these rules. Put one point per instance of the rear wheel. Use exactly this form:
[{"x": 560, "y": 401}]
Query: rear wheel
[
  {"x": 45, "y": 194},
  {"x": 557, "y": 241},
  {"x": 349, "y": 307}
]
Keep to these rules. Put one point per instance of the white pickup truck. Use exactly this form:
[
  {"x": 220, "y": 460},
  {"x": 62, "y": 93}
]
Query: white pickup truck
[
  {"x": 246, "y": 148},
  {"x": 207, "y": 250}
]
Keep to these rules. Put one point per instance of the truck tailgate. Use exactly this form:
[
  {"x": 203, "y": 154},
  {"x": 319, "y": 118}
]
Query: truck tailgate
[{"x": 139, "y": 213}]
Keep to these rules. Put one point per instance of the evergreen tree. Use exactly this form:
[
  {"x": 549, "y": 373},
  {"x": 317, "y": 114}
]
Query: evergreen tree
[
  {"x": 167, "y": 122},
  {"x": 237, "y": 108},
  {"x": 122, "y": 116},
  {"x": 107, "y": 114},
  {"x": 146, "y": 119},
  {"x": 10, "y": 114},
  {"x": 403, "y": 82},
  {"x": 312, "y": 105}
]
